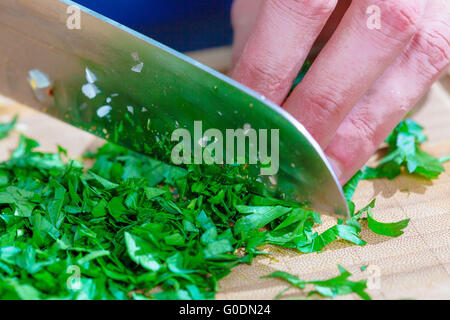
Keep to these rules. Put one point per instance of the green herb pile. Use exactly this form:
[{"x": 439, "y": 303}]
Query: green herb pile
[{"x": 131, "y": 227}]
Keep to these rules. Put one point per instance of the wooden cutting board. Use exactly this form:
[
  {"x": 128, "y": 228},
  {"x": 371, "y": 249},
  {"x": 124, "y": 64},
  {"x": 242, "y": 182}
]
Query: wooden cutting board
[{"x": 415, "y": 265}]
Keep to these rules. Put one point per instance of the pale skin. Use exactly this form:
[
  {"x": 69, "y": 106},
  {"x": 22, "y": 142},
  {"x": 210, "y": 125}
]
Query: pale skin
[{"x": 367, "y": 77}]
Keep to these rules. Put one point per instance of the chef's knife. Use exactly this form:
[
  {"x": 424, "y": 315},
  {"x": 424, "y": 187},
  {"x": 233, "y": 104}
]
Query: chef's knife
[{"x": 93, "y": 73}]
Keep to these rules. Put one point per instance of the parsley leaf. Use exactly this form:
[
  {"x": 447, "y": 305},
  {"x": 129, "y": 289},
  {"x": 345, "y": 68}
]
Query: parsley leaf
[
  {"x": 259, "y": 217},
  {"x": 404, "y": 153},
  {"x": 386, "y": 229},
  {"x": 340, "y": 285}
]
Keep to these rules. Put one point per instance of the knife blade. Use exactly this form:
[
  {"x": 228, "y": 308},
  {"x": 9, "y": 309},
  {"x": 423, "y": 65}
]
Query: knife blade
[{"x": 129, "y": 89}]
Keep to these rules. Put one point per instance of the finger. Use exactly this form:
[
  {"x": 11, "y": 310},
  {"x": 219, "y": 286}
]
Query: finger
[
  {"x": 333, "y": 22},
  {"x": 244, "y": 14},
  {"x": 394, "y": 94},
  {"x": 279, "y": 44},
  {"x": 350, "y": 63}
]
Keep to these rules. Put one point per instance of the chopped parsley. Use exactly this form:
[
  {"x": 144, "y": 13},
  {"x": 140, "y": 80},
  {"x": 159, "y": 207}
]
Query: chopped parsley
[
  {"x": 405, "y": 155},
  {"x": 340, "y": 285},
  {"x": 131, "y": 227}
]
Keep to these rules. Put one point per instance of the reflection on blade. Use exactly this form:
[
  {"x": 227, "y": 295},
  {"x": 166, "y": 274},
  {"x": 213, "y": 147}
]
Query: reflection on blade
[{"x": 129, "y": 89}]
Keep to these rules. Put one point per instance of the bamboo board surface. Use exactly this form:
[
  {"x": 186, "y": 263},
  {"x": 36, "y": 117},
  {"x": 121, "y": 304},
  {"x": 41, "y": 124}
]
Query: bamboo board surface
[{"x": 415, "y": 265}]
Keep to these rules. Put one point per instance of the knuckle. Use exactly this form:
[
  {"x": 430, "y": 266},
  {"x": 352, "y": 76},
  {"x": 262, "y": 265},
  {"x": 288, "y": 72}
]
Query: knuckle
[
  {"x": 365, "y": 130},
  {"x": 320, "y": 8},
  {"x": 263, "y": 79},
  {"x": 310, "y": 9},
  {"x": 324, "y": 106},
  {"x": 400, "y": 15},
  {"x": 433, "y": 44},
  {"x": 264, "y": 73}
]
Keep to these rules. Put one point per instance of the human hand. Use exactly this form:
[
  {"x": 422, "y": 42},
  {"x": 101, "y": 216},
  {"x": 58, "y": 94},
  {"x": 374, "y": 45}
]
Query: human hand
[{"x": 381, "y": 59}]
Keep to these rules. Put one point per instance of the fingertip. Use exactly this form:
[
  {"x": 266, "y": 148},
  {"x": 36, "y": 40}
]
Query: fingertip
[
  {"x": 279, "y": 44},
  {"x": 244, "y": 15}
]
